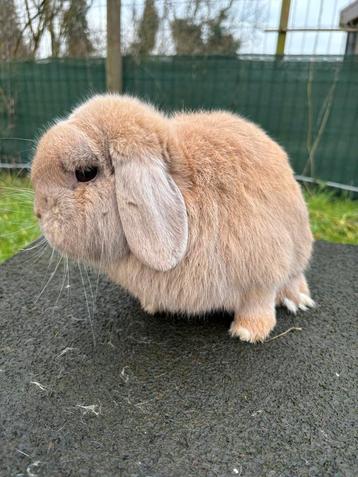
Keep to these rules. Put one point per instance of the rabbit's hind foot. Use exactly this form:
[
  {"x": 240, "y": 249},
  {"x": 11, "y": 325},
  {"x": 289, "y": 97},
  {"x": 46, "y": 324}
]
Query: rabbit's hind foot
[{"x": 295, "y": 295}]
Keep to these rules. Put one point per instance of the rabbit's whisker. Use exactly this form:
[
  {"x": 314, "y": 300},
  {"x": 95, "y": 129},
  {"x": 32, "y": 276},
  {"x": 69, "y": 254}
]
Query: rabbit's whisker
[
  {"x": 87, "y": 305},
  {"x": 17, "y": 190},
  {"x": 39, "y": 254},
  {"x": 68, "y": 286},
  {"x": 91, "y": 290},
  {"x": 9, "y": 234},
  {"x": 42, "y": 241},
  {"x": 62, "y": 287},
  {"x": 20, "y": 200},
  {"x": 35, "y": 256},
  {"x": 49, "y": 280},
  {"x": 50, "y": 259},
  {"x": 19, "y": 222},
  {"x": 18, "y": 139},
  {"x": 98, "y": 274}
]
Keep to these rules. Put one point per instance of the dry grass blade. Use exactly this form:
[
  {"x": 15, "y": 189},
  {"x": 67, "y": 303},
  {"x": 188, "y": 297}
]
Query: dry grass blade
[{"x": 293, "y": 328}]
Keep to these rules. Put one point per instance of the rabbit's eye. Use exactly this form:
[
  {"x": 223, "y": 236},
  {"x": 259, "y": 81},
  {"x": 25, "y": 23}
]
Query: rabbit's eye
[{"x": 86, "y": 175}]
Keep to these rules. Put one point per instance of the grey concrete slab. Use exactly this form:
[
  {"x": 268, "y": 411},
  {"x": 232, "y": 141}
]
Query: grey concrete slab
[{"x": 168, "y": 396}]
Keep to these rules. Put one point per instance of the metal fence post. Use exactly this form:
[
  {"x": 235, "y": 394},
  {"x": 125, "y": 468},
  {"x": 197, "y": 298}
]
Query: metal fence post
[
  {"x": 114, "y": 54},
  {"x": 281, "y": 39}
]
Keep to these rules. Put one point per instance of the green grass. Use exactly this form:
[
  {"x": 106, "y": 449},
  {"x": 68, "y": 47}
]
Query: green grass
[
  {"x": 18, "y": 226},
  {"x": 333, "y": 218}
]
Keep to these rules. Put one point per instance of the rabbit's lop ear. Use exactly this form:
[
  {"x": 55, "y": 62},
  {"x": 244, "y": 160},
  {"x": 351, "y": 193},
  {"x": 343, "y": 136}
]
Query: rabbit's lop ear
[{"x": 152, "y": 211}]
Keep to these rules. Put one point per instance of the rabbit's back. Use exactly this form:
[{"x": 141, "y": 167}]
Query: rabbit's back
[{"x": 235, "y": 168}]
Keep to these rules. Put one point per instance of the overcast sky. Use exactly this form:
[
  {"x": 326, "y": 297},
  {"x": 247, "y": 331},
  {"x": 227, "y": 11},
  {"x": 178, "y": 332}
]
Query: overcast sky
[{"x": 249, "y": 28}]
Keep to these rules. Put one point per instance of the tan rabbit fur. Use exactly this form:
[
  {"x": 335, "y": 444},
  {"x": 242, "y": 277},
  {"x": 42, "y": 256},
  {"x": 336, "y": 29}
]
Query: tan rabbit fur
[{"x": 191, "y": 213}]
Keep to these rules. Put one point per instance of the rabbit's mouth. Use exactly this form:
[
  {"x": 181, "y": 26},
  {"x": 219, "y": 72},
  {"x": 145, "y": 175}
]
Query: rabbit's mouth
[{"x": 59, "y": 236}]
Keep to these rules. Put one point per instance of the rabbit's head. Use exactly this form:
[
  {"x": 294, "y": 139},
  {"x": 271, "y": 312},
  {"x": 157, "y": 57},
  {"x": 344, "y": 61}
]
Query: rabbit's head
[{"x": 103, "y": 186}]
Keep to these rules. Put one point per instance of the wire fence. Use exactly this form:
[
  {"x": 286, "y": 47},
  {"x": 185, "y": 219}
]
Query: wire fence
[
  {"x": 306, "y": 99},
  {"x": 309, "y": 105}
]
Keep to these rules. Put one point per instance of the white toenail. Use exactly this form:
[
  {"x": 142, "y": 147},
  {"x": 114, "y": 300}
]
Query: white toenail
[
  {"x": 290, "y": 305},
  {"x": 307, "y": 300}
]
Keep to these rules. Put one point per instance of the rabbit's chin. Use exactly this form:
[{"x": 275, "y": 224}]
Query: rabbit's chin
[{"x": 97, "y": 250}]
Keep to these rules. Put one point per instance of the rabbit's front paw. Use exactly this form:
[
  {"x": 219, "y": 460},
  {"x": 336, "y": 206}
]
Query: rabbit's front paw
[{"x": 253, "y": 329}]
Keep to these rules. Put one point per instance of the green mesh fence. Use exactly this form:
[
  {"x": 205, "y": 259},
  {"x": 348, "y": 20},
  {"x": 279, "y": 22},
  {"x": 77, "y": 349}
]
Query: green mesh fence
[{"x": 309, "y": 105}]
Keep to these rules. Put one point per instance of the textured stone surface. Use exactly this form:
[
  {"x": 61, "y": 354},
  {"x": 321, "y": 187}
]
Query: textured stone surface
[{"x": 168, "y": 396}]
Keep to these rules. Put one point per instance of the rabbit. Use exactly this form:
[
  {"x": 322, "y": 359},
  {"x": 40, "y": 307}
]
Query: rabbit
[{"x": 190, "y": 212}]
